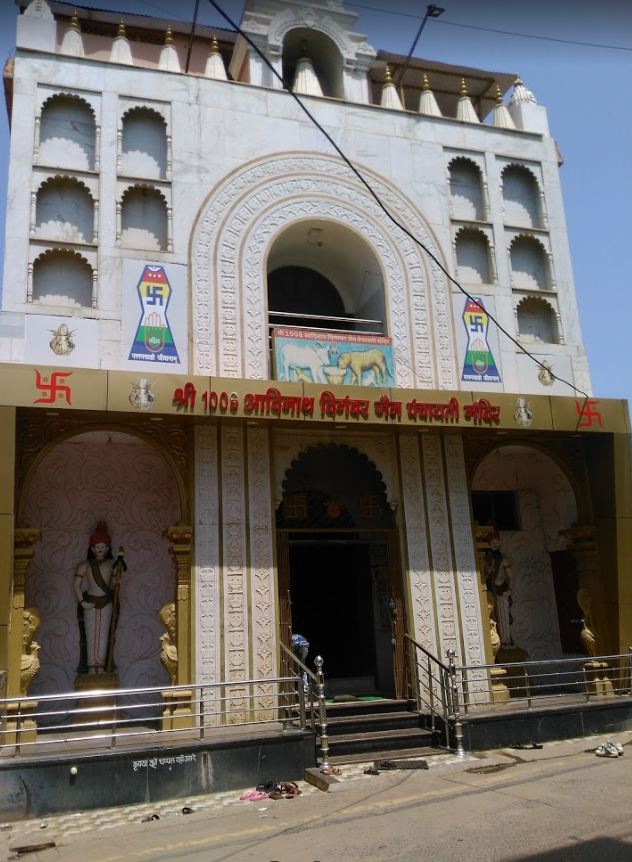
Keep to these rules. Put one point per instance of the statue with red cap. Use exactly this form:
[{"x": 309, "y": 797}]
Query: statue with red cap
[{"x": 97, "y": 587}]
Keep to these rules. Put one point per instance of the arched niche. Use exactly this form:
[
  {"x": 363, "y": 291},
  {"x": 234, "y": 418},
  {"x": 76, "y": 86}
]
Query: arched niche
[
  {"x": 324, "y": 54},
  {"x": 545, "y": 503},
  {"x": 322, "y": 268},
  {"x": 122, "y": 479},
  {"x": 521, "y": 197},
  {"x": 472, "y": 257},
  {"x": 67, "y": 133},
  {"x": 466, "y": 190},
  {"x": 536, "y": 321},
  {"x": 144, "y": 144},
  {"x": 144, "y": 222},
  {"x": 64, "y": 211},
  {"x": 62, "y": 277},
  {"x": 529, "y": 264}
]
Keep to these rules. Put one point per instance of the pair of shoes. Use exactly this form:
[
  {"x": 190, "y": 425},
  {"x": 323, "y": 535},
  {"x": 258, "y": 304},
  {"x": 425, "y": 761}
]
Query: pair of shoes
[
  {"x": 286, "y": 790},
  {"x": 253, "y": 796},
  {"x": 330, "y": 770},
  {"x": 385, "y": 764},
  {"x": 371, "y": 770},
  {"x": 607, "y": 749},
  {"x": 266, "y": 786},
  {"x": 524, "y": 746}
]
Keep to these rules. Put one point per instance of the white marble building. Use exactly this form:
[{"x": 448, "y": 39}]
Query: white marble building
[{"x": 123, "y": 158}]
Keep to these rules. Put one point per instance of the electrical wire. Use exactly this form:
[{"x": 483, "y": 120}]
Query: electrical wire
[
  {"x": 389, "y": 215},
  {"x": 580, "y": 44}
]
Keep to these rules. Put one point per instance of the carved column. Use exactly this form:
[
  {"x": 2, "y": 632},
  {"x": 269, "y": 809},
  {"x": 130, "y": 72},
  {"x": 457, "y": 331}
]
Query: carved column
[
  {"x": 23, "y": 542},
  {"x": 179, "y": 704},
  {"x": 583, "y": 546}
]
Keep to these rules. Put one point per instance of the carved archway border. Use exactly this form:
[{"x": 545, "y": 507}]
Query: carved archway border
[
  {"x": 380, "y": 449},
  {"x": 38, "y": 434},
  {"x": 237, "y": 201}
]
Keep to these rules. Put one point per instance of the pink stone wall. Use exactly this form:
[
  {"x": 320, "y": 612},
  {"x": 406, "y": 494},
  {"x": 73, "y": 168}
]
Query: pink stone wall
[{"x": 124, "y": 481}]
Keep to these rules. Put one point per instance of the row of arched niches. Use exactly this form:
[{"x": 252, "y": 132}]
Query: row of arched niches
[
  {"x": 65, "y": 218},
  {"x": 65, "y": 196}
]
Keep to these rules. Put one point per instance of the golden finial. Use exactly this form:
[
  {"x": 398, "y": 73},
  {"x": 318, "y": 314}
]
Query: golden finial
[
  {"x": 499, "y": 96},
  {"x": 74, "y": 22},
  {"x": 463, "y": 87},
  {"x": 426, "y": 83},
  {"x": 214, "y": 45},
  {"x": 168, "y": 36},
  {"x": 388, "y": 78},
  {"x": 121, "y": 30}
]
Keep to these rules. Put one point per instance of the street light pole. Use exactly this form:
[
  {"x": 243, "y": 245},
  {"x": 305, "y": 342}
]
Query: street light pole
[{"x": 432, "y": 11}]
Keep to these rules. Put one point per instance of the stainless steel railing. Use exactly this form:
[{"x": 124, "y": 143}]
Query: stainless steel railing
[
  {"x": 116, "y": 718},
  {"x": 311, "y": 687},
  {"x": 449, "y": 693}
]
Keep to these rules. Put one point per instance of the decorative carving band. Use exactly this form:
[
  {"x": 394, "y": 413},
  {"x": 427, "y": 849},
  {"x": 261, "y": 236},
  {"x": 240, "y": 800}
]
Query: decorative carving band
[{"x": 252, "y": 206}]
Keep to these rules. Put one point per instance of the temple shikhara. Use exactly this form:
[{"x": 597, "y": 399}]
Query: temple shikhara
[{"x": 250, "y": 396}]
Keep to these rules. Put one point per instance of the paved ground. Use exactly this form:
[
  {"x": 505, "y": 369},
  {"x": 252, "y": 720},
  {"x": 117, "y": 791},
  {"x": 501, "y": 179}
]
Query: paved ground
[{"x": 560, "y": 799}]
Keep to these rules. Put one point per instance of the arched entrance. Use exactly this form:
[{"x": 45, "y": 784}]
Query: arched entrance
[
  {"x": 125, "y": 481},
  {"x": 340, "y": 582},
  {"x": 527, "y": 497}
]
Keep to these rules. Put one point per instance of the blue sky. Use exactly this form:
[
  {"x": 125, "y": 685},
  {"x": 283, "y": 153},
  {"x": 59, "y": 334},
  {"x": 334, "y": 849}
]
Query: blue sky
[{"x": 585, "y": 88}]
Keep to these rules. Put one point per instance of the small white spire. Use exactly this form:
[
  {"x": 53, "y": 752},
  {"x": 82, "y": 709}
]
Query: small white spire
[
  {"x": 214, "y": 63},
  {"x": 502, "y": 117},
  {"x": 306, "y": 81},
  {"x": 465, "y": 109},
  {"x": 72, "y": 43},
  {"x": 39, "y": 9},
  {"x": 427, "y": 103},
  {"x": 169, "y": 60},
  {"x": 390, "y": 96},
  {"x": 121, "y": 51},
  {"x": 520, "y": 93}
]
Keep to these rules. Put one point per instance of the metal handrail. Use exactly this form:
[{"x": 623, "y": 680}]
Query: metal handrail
[
  {"x": 436, "y": 691},
  {"x": 317, "y": 691},
  {"x": 135, "y": 712}
]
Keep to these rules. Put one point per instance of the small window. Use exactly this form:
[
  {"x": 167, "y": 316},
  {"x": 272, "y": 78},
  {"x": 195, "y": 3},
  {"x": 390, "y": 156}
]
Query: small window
[{"x": 496, "y": 507}]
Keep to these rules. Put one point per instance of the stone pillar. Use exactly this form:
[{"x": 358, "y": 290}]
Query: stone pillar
[{"x": 17, "y": 713}]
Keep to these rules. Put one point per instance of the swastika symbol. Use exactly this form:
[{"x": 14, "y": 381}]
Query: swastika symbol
[
  {"x": 53, "y": 390},
  {"x": 155, "y": 294},
  {"x": 587, "y": 413}
]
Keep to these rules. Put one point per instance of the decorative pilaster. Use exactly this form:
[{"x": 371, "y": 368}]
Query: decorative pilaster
[
  {"x": 97, "y": 147},
  {"x": 37, "y": 138},
  {"x": 169, "y": 171},
  {"x": 33, "y": 212},
  {"x": 95, "y": 222},
  {"x": 23, "y": 550},
  {"x": 119, "y": 148},
  {"x": 180, "y": 537},
  {"x": 582, "y": 545},
  {"x": 95, "y": 288},
  {"x": 119, "y": 226},
  {"x": 29, "y": 283},
  {"x": 169, "y": 229}
]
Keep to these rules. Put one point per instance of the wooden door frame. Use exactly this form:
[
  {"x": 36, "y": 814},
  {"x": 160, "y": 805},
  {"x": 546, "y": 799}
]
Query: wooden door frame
[{"x": 390, "y": 537}]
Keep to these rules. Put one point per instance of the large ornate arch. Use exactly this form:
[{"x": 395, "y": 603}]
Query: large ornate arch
[{"x": 235, "y": 228}]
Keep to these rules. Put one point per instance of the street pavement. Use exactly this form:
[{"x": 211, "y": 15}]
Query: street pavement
[{"x": 560, "y": 803}]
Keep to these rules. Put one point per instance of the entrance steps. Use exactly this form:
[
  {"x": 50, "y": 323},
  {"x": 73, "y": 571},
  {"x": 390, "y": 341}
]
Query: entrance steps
[{"x": 376, "y": 729}]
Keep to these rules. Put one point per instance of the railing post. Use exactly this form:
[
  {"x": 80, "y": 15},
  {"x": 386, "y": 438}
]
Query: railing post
[
  {"x": 202, "y": 730},
  {"x": 630, "y": 669},
  {"x": 114, "y": 714},
  {"x": 322, "y": 714},
  {"x": 454, "y": 702},
  {"x": 527, "y": 685},
  {"x": 301, "y": 701}
]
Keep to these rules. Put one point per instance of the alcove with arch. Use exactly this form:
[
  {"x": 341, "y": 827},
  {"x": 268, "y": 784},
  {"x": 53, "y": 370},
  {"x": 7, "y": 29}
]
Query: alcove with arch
[
  {"x": 530, "y": 264},
  {"x": 65, "y": 211},
  {"x": 62, "y": 277},
  {"x": 143, "y": 144},
  {"x": 473, "y": 255},
  {"x": 144, "y": 219},
  {"x": 522, "y": 197},
  {"x": 325, "y": 57},
  {"x": 67, "y": 134},
  {"x": 537, "y": 321},
  {"x": 468, "y": 199}
]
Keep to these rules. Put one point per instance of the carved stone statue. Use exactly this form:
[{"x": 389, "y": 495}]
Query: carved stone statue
[
  {"x": 96, "y": 586},
  {"x": 498, "y": 584},
  {"x": 494, "y": 637},
  {"x": 587, "y": 634},
  {"x": 168, "y": 649},
  {"x": 29, "y": 662}
]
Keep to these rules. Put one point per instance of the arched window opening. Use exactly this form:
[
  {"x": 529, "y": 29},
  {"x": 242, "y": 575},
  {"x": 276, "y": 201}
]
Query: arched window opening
[
  {"x": 325, "y": 276},
  {"x": 466, "y": 190},
  {"x": 323, "y": 53},
  {"x": 64, "y": 211},
  {"x": 62, "y": 278},
  {"x": 144, "y": 219},
  {"x": 67, "y": 133},
  {"x": 536, "y": 321},
  {"x": 529, "y": 264},
  {"x": 144, "y": 144},
  {"x": 472, "y": 257},
  {"x": 521, "y": 197}
]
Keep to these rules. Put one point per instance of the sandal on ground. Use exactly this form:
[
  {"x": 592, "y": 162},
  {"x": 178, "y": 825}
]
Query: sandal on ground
[
  {"x": 607, "y": 750},
  {"x": 290, "y": 789},
  {"x": 371, "y": 770}
]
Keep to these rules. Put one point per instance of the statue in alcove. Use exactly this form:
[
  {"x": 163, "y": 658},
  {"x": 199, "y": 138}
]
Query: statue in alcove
[
  {"x": 96, "y": 586},
  {"x": 498, "y": 585}
]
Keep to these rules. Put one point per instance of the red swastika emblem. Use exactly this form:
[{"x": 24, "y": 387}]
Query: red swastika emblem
[
  {"x": 54, "y": 389},
  {"x": 587, "y": 413}
]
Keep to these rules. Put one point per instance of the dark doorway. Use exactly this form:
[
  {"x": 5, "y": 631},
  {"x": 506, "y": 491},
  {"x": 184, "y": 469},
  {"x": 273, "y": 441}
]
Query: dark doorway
[
  {"x": 332, "y": 605},
  {"x": 568, "y": 611}
]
